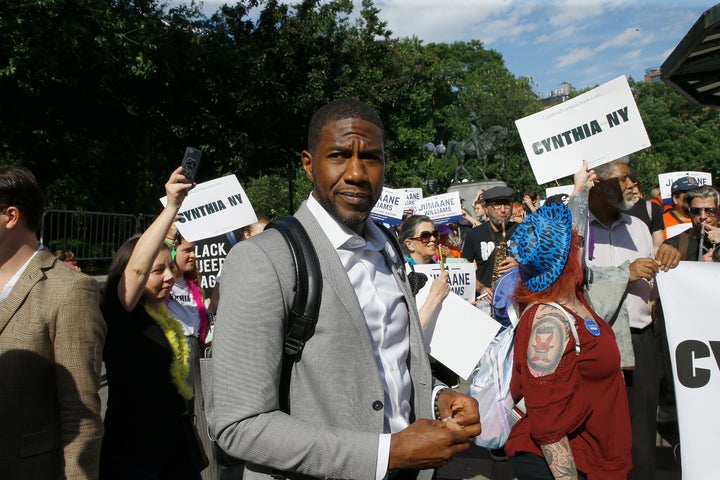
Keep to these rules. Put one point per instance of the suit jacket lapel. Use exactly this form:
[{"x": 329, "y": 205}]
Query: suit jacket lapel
[
  {"x": 417, "y": 345},
  {"x": 34, "y": 272},
  {"x": 335, "y": 276}
]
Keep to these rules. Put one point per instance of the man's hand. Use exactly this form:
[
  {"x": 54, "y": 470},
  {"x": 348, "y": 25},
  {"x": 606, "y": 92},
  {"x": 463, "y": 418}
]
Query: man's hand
[
  {"x": 483, "y": 291},
  {"x": 712, "y": 233},
  {"x": 643, "y": 268},
  {"x": 427, "y": 444},
  {"x": 507, "y": 264},
  {"x": 667, "y": 256},
  {"x": 461, "y": 408}
]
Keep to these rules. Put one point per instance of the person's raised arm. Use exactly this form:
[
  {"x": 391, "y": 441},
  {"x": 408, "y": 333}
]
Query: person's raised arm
[{"x": 138, "y": 268}]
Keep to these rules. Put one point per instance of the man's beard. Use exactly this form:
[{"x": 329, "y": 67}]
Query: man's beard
[
  {"x": 499, "y": 221},
  {"x": 622, "y": 203},
  {"x": 615, "y": 196},
  {"x": 331, "y": 207}
]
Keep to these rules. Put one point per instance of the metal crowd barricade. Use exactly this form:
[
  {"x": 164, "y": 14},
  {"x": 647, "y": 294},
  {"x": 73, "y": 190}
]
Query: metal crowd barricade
[{"x": 91, "y": 236}]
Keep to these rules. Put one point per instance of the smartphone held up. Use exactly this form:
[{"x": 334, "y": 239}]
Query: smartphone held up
[{"x": 190, "y": 163}]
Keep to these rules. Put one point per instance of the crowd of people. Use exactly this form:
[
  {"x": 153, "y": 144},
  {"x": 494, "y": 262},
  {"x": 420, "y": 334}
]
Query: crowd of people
[{"x": 363, "y": 401}]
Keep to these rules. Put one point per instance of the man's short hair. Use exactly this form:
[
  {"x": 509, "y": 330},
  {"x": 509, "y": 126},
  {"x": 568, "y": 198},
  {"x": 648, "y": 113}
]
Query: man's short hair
[
  {"x": 605, "y": 171},
  {"x": 19, "y": 188},
  {"x": 339, "y": 110},
  {"x": 700, "y": 192}
]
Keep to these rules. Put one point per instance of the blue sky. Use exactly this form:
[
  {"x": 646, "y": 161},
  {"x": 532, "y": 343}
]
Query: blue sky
[{"x": 582, "y": 42}]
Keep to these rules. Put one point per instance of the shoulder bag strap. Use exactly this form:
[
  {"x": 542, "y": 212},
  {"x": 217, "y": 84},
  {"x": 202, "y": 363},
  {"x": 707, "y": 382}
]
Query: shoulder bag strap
[
  {"x": 570, "y": 320},
  {"x": 308, "y": 286}
]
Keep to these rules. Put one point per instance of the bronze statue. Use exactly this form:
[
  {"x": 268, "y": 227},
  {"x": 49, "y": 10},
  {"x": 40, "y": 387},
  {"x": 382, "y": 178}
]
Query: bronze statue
[{"x": 482, "y": 145}]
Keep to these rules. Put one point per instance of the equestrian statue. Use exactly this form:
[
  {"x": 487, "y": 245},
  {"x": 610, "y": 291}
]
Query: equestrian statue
[{"x": 482, "y": 145}]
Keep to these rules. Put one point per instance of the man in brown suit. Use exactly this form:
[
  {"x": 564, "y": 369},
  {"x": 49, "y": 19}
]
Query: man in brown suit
[{"x": 51, "y": 341}]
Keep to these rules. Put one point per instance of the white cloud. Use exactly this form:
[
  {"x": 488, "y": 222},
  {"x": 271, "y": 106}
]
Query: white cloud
[
  {"x": 558, "y": 34},
  {"x": 630, "y": 36},
  {"x": 631, "y": 55},
  {"x": 442, "y": 21},
  {"x": 574, "y": 56}
]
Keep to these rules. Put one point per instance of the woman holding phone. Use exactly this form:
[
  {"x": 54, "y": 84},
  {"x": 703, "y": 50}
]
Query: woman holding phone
[{"x": 146, "y": 358}]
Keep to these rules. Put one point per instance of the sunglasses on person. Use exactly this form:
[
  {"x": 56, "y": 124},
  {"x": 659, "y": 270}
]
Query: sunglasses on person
[
  {"x": 710, "y": 211},
  {"x": 425, "y": 236}
]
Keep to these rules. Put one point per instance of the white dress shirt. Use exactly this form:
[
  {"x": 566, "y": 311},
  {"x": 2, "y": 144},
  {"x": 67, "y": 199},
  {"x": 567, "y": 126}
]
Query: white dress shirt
[
  {"x": 627, "y": 239},
  {"x": 386, "y": 316}
]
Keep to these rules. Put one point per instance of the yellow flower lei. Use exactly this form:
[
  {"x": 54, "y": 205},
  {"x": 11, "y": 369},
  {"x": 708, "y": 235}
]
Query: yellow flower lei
[{"x": 180, "y": 366}]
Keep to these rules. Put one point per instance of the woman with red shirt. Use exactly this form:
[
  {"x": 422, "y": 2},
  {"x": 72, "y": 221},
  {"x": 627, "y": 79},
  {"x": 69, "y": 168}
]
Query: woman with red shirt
[{"x": 577, "y": 423}]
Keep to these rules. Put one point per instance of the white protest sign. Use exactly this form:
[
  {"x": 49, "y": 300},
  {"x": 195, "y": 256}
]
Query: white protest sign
[
  {"x": 461, "y": 277},
  {"x": 665, "y": 180},
  {"x": 598, "y": 126},
  {"x": 460, "y": 333},
  {"x": 412, "y": 195},
  {"x": 441, "y": 209},
  {"x": 389, "y": 207},
  {"x": 562, "y": 190},
  {"x": 213, "y": 208},
  {"x": 694, "y": 340}
]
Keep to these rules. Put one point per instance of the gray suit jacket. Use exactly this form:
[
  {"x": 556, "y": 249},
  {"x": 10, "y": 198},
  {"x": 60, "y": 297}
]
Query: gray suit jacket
[
  {"x": 51, "y": 341},
  {"x": 333, "y": 429}
]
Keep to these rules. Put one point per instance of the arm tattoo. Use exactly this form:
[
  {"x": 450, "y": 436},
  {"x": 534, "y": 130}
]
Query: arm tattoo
[
  {"x": 560, "y": 459},
  {"x": 548, "y": 338}
]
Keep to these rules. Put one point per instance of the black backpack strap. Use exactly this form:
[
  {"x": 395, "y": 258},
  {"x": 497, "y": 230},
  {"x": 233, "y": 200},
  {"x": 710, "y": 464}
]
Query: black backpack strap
[
  {"x": 308, "y": 286},
  {"x": 392, "y": 238}
]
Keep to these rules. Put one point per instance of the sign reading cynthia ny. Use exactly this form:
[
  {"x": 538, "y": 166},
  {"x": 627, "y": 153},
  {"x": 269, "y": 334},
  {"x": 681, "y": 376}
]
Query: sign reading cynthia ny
[
  {"x": 213, "y": 208},
  {"x": 598, "y": 126}
]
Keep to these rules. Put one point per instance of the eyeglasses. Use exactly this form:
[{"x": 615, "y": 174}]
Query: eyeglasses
[
  {"x": 499, "y": 204},
  {"x": 424, "y": 237},
  {"x": 711, "y": 211}
]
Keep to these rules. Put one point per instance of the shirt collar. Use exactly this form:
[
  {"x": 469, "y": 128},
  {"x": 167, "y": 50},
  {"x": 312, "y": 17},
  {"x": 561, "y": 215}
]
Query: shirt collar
[
  {"x": 340, "y": 236},
  {"x": 623, "y": 218}
]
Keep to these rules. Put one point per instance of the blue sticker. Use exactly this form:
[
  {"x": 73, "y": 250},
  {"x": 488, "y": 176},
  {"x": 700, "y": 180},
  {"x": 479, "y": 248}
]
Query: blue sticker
[{"x": 592, "y": 327}]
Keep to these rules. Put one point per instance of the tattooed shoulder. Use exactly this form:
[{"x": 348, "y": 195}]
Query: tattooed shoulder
[{"x": 548, "y": 338}]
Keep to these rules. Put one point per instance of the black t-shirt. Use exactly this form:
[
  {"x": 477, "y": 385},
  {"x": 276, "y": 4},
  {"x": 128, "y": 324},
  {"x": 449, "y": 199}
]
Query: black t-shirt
[
  {"x": 640, "y": 210},
  {"x": 688, "y": 245},
  {"x": 480, "y": 244}
]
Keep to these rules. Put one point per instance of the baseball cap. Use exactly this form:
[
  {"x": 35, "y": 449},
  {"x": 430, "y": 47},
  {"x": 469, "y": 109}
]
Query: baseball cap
[{"x": 683, "y": 184}]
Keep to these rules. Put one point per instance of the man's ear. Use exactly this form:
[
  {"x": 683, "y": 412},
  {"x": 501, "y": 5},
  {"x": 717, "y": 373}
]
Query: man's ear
[
  {"x": 307, "y": 164},
  {"x": 13, "y": 217}
]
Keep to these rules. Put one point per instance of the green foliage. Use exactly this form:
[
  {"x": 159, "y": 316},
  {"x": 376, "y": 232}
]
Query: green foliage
[
  {"x": 270, "y": 194},
  {"x": 683, "y": 135},
  {"x": 100, "y": 99}
]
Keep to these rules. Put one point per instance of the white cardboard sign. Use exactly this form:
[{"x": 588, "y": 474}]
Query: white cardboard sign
[
  {"x": 461, "y": 277},
  {"x": 459, "y": 335},
  {"x": 442, "y": 208},
  {"x": 389, "y": 207},
  {"x": 598, "y": 126},
  {"x": 213, "y": 208},
  {"x": 665, "y": 180},
  {"x": 693, "y": 333}
]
